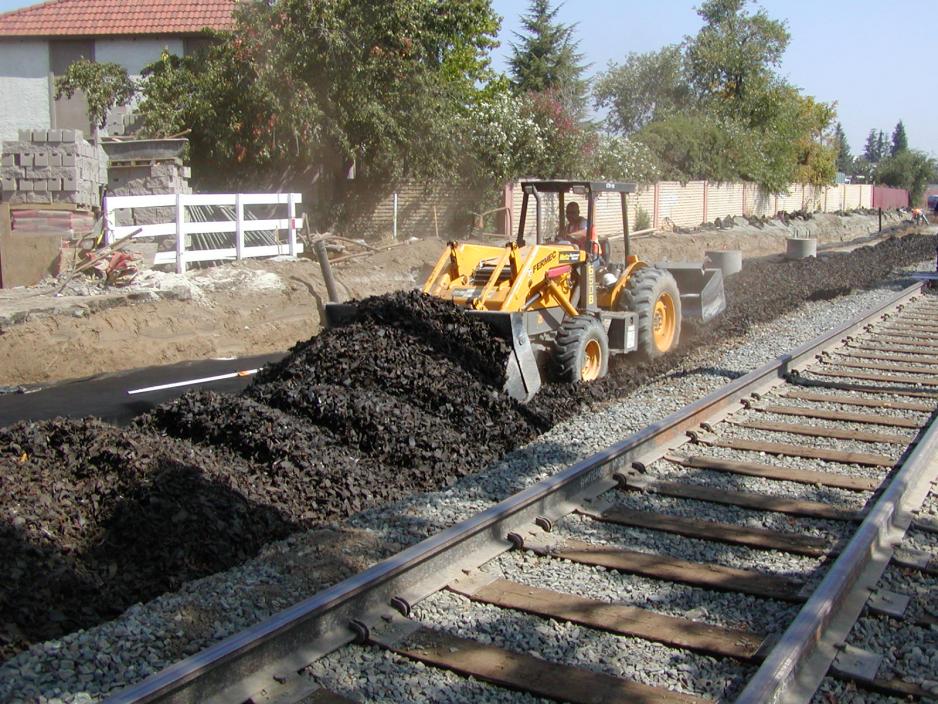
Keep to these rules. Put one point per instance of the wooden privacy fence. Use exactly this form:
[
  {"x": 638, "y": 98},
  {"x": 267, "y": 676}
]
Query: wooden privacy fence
[{"x": 231, "y": 233}]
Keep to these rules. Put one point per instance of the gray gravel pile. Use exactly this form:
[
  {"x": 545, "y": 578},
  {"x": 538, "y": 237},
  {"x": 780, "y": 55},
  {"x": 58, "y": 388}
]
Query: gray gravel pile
[
  {"x": 876, "y": 448},
  {"x": 929, "y": 508},
  {"x": 922, "y": 587},
  {"x": 834, "y": 690},
  {"x": 723, "y": 513},
  {"x": 719, "y": 608},
  {"x": 883, "y": 383},
  {"x": 839, "y": 498},
  {"x": 647, "y": 662},
  {"x": 910, "y": 652},
  {"x": 784, "y": 461},
  {"x": 922, "y": 540},
  {"x": 707, "y": 551},
  {"x": 370, "y": 674},
  {"x": 847, "y": 408},
  {"x": 149, "y": 636}
]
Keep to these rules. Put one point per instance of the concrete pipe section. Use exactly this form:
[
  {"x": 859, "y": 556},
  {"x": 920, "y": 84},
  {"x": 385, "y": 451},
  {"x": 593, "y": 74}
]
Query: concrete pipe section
[
  {"x": 800, "y": 247},
  {"x": 729, "y": 261}
]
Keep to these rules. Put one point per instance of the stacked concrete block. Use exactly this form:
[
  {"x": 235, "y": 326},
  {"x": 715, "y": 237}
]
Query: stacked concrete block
[
  {"x": 147, "y": 167},
  {"x": 52, "y": 166},
  {"x": 140, "y": 179}
]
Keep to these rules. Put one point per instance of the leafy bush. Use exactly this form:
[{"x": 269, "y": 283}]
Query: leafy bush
[{"x": 642, "y": 219}]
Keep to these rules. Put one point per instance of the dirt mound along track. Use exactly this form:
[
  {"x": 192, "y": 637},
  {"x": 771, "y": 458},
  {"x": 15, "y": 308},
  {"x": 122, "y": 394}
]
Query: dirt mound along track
[{"x": 404, "y": 399}]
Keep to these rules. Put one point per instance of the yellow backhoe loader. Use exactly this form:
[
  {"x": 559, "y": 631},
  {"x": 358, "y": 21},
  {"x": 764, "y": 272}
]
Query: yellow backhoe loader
[{"x": 564, "y": 305}]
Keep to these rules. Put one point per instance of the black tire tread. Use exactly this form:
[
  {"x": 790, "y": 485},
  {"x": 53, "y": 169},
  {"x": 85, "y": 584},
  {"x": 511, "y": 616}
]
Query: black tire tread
[
  {"x": 567, "y": 346},
  {"x": 639, "y": 297}
]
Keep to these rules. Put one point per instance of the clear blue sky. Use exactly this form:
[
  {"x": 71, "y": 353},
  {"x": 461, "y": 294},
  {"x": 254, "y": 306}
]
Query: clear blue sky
[{"x": 877, "y": 60}]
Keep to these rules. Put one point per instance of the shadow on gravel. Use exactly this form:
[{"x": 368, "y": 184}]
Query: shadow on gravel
[{"x": 404, "y": 400}]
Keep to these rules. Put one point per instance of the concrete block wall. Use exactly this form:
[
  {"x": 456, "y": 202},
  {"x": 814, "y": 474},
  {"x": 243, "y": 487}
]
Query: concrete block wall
[{"x": 52, "y": 166}]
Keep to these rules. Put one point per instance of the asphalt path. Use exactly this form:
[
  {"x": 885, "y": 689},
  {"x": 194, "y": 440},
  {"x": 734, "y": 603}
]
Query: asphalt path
[{"x": 106, "y": 396}]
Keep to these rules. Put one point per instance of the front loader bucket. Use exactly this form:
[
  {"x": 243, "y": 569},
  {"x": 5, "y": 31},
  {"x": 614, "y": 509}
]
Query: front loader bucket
[
  {"x": 702, "y": 295},
  {"x": 338, "y": 314},
  {"x": 522, "y": 378}
]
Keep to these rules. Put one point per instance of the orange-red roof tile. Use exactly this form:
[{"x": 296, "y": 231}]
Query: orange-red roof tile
[{"x": 83, "y": 18}]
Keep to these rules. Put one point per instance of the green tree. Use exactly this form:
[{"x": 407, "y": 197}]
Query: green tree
[
  {"x": 910, "y": 169},
  {"x": 899, "y": 140},
  {"x": 317, "y": 87},
  {"x": 816, "y": 147},
  {"x": 547, "y": 58},
  {"x": 571, "y": 143},
  {"x": 733, "y": 57},
  {"x": 643, "y": 88},
  {"x": 105, "y": 85},
  {"x": 622, "y": 159},
  {"x": 873, "y": 150},
  {"x": 505, "y": 141},
  {"x": 844, "y": 159},
  {"x": 882, "y": 145}
]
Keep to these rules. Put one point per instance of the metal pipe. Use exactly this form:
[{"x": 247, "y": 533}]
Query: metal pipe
[
  {"x": 323, "y": 257},
  {"x": 624, "y": 198},
  {"x": 537, "y": 201}
]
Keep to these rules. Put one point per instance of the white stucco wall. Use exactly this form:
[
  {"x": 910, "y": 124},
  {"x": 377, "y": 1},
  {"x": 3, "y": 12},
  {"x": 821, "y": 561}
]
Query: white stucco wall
[
  {"x": 24, "y": 86},
  {"x": 135, "y": 54}
]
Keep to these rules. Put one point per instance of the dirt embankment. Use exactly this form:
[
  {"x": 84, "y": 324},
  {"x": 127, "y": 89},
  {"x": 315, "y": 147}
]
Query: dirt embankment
[
  {"x": 259, "y": 307},
  {"x": 94, "y": 518}
]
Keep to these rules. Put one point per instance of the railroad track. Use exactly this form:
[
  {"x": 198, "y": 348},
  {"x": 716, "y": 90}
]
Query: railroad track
[{"x": 849, "y": 415}]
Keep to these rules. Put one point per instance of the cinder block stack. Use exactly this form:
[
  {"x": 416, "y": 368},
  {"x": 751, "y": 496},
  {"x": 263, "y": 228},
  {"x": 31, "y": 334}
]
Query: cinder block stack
[{"x": 52, "y": 166}]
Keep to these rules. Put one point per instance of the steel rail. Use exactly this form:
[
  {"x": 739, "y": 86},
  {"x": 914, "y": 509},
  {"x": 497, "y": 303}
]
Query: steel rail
[
  {"x": 322, "y": 623},
  {"x": 794, "y": 667}
]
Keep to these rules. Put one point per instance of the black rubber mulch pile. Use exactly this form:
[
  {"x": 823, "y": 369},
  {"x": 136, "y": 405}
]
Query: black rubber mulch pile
[
  {"x": 96, "y": 518},
  {"x": 404, "y": 399},
  {"x": 763, "y": 291}
]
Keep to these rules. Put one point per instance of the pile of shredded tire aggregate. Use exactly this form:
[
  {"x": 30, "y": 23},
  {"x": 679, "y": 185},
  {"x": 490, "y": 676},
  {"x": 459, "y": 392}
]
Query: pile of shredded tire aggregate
[
  {"x": 404, "y": 398},
  {"x": 763, "y": 291},
  {"x": 94, "y": 519}
]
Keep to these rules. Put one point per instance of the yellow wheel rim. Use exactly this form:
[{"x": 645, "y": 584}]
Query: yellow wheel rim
[
  {"x": 592, "y": 361},
  {"x": 664, "y": 323}
]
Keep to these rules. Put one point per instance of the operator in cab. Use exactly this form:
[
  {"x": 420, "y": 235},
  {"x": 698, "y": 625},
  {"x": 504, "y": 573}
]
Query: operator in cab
[{"x": 575, "y": 228}]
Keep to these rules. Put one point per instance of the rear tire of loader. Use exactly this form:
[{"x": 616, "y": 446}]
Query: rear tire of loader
[
  {"x": 581, "y": 349},
  {"x": 653, "y": 295}
]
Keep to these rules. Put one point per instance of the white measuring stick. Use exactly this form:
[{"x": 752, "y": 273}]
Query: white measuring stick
[{"x": 203, "y": 380}]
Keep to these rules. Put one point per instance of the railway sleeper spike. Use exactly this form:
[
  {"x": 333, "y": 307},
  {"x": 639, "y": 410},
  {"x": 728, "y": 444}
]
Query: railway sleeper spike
[
  {"x": 544, "y": 523},
  {"x": 401, "y": 605},
  {"x": 516, "y": 539},
  {"x": 361, "y": 631},
  {"x": 700, "y": 436}
]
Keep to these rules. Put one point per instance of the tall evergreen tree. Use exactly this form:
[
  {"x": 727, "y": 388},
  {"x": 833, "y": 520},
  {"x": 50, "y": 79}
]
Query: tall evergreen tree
[
  {"x": 882, "y": 146},
  {"x": 546, "y": 57},
  {"x": 844, "y": 160},
  {"x": 875, "y": 149},
  {"x": 900, "y": 142}
]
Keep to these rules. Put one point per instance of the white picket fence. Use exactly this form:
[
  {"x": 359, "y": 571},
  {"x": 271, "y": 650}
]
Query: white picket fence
[{"x": 233, "y": 229}]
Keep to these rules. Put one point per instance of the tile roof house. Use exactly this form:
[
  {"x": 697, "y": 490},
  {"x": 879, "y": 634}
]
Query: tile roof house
[{"x": 38, "y": 43}]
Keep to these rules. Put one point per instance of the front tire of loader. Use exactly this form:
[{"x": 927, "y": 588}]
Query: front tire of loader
[
  {"x": 653, "y": 295},
  {"x": 581, "y": 349}
]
